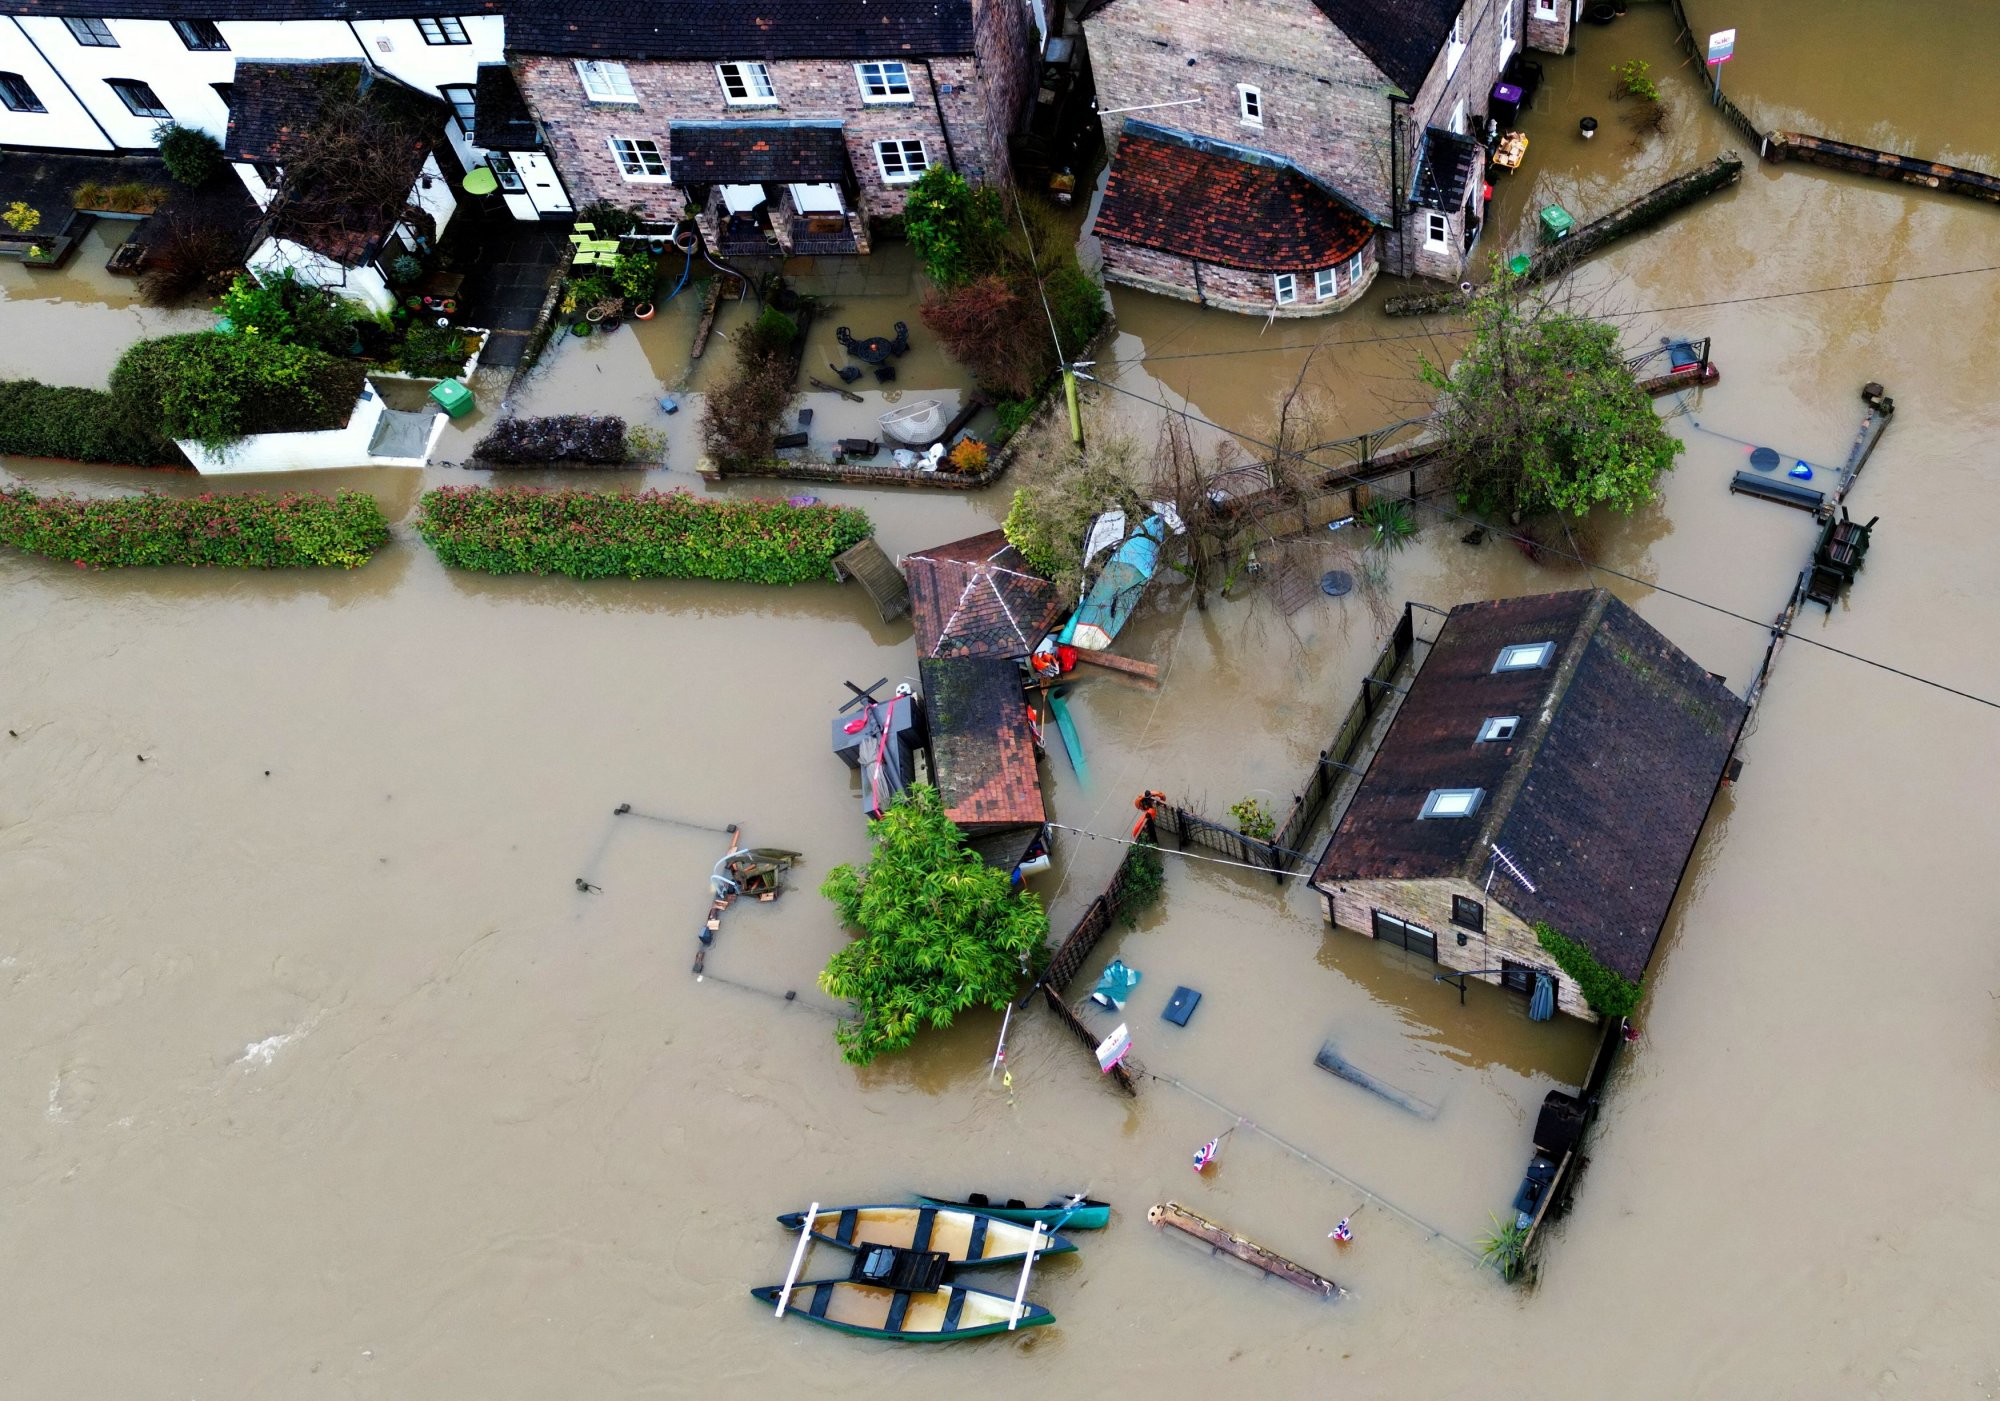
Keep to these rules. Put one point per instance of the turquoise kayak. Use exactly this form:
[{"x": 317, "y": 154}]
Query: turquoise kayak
[{"x": 1059, "y": 1215}]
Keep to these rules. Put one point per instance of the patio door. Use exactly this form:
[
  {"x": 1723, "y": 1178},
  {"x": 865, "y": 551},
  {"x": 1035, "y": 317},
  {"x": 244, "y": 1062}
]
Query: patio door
[
  {"x": 545, "y": 189},
  {"x": 817, "y": 199}
]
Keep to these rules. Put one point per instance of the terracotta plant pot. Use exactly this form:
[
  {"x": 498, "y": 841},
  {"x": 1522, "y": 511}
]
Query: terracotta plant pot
[
  {"x": 448, "y": 306},
  {"x": 643, "y": 311},
  {"x": 413, "y": 303}
]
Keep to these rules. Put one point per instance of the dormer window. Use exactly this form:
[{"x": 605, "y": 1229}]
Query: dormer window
[
  {"x": 1452, "y": 802},
  {"x": 1525, "y": 656},
  {"x": 1499, "y": 727}
]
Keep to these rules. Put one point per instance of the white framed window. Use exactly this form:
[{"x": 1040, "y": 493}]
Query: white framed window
[
  {"x": 746, "y": 84},
  {"x": 1506, "y": 32},
  {"x": 1458, "y": 117},
  {"x": 1285, "y": 287},
  {"x": 1454, "y": 47},
  {"x": 1249, "y": 105},
  {"x": 444, "y": 30},
  {"x": 1452, "y": 802},
  {"x": 901, "y": 161},
  {"x": 1326, "y": 283},
  {"x": 605, "y": 82},
  {"x": 464, "y": 101},
  {"x": 639, "y": 160},
  {"x": 1548, "y": 9},
  {"x": 1437, "y": 230},
  {"x": 91, "y": 33},
  {"x": 1499, "y": 727},
  {"x": 1524, "y": 656},
  {"x": 1353, "y": 270},
  {"x": 883, "y": 82}
]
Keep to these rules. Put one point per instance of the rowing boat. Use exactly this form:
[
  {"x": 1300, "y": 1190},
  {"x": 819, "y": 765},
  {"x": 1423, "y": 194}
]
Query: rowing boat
[
  {"x": 948, "y": 1312},
  {"x": 962, "y": 1237},
  {"x": 1063, "y": 1214}
]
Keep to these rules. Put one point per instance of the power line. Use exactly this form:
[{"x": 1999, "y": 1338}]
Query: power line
[
  {"x": 1194, "y": 855},
  {"x": 1655, "y": 586}
]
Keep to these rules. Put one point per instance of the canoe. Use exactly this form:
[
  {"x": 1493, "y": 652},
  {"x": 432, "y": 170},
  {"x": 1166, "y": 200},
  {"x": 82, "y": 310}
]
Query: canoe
[
  {"x": 1087, "y": 1215},
  {"x": 939, "y": 1315},
  {"x": 1066, "y": 727},
  {"x": 963, "y": 1237}
]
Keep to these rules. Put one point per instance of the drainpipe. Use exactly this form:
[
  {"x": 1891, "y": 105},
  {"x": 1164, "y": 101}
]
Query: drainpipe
[
  {"x": 950, "y": 157},
  {"x": 65, "y": 82},
  {"x": 1396, "y": 180}
]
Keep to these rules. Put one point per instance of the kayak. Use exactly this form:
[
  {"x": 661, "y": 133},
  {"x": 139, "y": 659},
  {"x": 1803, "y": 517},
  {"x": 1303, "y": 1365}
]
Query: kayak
[
  {"x": 949, "y": 1312},
  {"x": 1062, "y": 1214},
  {"x": 962, "y": 1237}
]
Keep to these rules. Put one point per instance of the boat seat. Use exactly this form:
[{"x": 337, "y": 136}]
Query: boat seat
[
  {"x": 822, "y": 1296},
  {"x": 844, "y": 1231},
  {"x": 953, "y": 1310},
  {"x": 975, "y": 1248},
  {"x": 926, "y": 1223},
  {"x": 887, "y": 1267},
  {"x": 897, "y": 1309}
]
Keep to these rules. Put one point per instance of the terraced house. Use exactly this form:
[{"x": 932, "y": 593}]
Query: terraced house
[
  {"x": 1273, "y": 156},
  {"x": 777, "y": 127}
]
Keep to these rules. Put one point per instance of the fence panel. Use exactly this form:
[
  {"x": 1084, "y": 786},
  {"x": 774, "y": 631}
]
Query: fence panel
[{"x": 1088, "y": 1037}]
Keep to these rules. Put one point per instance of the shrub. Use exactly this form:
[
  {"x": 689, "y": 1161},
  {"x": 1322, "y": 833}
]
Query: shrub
[
  {"x": 1392, "y": 523},
  {"x": 405, "y": 268},
  {"x": 774, "y": 331},
  {"x": 125, "y": 198},
  {"x": 84, "y": 425},
  {"x": 1253, "y": 819},
  {"x": 1635, "y": 79},
  {"x": 216, "y": 388},
  {"x": 1013, "y": 415},
  {"x": 432, "y": 352},
  {"x": 192, "y": 157},
  {"x": 612, "y": 221},
  {"x": 187, "y": 257},
  {"x": 969, "y": 457},
  {"x": 1609, "y": 993},
  {"x": 282, "y": 308},
  {"x": 635, "y": 275},
  {"x": 237, "y": 532},
  {"x": 21, "y": 217},
  {"x": 565, "y": 438},
  {"x": 1143, "y": 872},
  {"x": 955, "y": 230},
  {"x": 648, "y": 535},
  {"x": 739, "y": 417},
  {"x": 997, "y": 323}
]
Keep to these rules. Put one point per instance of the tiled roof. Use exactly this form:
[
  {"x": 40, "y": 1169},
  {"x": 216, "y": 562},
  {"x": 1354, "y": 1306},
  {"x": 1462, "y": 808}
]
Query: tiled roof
[
  {"x": 500, "y": 117},
  {"x": 980, "y": 737},
  {"x": 979, "y": 598},
  {"x": 730, "y": 29},
  {"x": 752, "y": 153},
  {"x": 251, "y": 9},
  {"x": 1599, "y": 796},
  {"x": 1401, "y": 37},
  {"x": 271, "y": 105},
  {"x": 1167, "y": 194}
]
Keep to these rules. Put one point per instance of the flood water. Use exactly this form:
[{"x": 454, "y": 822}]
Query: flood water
[{"x": 324, "y": 1079}]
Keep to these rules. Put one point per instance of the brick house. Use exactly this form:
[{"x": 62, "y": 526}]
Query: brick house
[
  {"x": 1554, "y": 760},
  {"x": 1320, "y": 124},
  {"x": 778, "y": 128}
]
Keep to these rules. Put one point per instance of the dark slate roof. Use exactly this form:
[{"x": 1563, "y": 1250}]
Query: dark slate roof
[
  {"x": 981, "y": 739},
  {"x": 752, "y": 153},
  {"x": 728, "y": 29},
  {"x": 501, "y": 120},
  {"x": 979, "y": 598},
  {"x": 252, "y": 9},
  {"x": 272, "y": 104},
  {"x": 1444, "y": 170},
  {"x": 1401, "y": 37},
  {"x": 1598, "y": 798},
  {"x": 1185, "y": 196}
]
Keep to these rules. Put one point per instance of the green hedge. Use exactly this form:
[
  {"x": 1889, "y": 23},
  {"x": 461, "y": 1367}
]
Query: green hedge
[
  {"x": 238, "y": 532},
  {"x": 53, "y": 420},
  {"x": 215, "y": 389},
  {"x": 650, "y": 535},
  {"x": 1610, "y": 994}
]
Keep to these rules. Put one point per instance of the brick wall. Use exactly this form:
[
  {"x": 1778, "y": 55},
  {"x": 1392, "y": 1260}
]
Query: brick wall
[
  {"x": 1231, "y": 289},
  {"x": 1549, "y": 32},
  {"x": 1428, "y": 903}
]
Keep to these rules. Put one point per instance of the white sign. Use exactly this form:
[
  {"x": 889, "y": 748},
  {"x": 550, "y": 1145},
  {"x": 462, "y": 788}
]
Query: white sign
[
  {"x": 1721, "y": 46},
  {"x": 1113, "y": 1048}
]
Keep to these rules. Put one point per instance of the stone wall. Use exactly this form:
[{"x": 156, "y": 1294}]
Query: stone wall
[
  {"x": 1350, "y": 904},
  {"x": 1231, "y": 289}
]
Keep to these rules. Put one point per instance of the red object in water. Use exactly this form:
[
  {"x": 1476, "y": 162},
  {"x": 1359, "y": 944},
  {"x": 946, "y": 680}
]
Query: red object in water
[
  {"x": 1631, "y": 1033},
  {"x": 1066, "y": 655}
]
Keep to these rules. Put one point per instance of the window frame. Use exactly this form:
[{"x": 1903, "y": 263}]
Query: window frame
[
  {"x": 1434, "y": 219},
  {"x": 590, "y": 69},
  {"x": 888, "y": 97},
  {"x": 626, "y": 151},
  {"x": 1497, "y": 728},
  {"x": 1550, "y": 8},
  {"x": 1454, "y": 44},
  {"x": 91, "y": 33},
  {"x": 1284, "y": 288},
  {"x": 744, "y": 70},
  {"x": 1468, "y": 913},
  {"x": 1326, "y": 284},
  {"x": 1516, "y": 976},
  {"x": 1447, "y": 804},
  {"x": 1353, "y": 267},
  {"x": 465, "y": 115},
  {"x": 429, "y": 24},
  {"x": 901, "y": 144},
  {"x": 17, "y": 94},
  {"x": 195, "y": 42},
  {"x": 1397, "y": 931},
  {"x": 1459, "y": 118},
  {"x": 121, "y": 87},
  {"x": 1250, "y": 105},
  {"x": 1514, "y": 656}
]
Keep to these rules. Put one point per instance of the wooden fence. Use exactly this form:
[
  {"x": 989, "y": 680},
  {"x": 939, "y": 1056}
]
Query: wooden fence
[
  {"x": 1069, "y": 957},
  {"x": 1698, "y": 55}
]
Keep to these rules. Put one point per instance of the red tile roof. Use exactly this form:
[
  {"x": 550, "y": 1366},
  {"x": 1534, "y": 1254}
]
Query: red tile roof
[
  {"x": 978, "y": 597},
  {"x": 1222, "y": 210},
  {"x": 982, "y": 742}
]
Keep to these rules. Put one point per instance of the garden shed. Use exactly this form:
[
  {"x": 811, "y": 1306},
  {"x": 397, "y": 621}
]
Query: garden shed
[
  {"x": 983, "y": 753},
  {"x": 979, "y": 597}
]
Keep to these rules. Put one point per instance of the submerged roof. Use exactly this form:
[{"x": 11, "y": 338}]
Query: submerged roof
[
  {"x": 1598, "y": 796},
  {"x": 1235, "y": 209},
  {"x": 1401, "y": 37},
  {"x": 982, "y": 742},
  {"x": 731, "y": 29},
  {"x": 978, "y": 597},
  {"x": 755, "y": 153}
]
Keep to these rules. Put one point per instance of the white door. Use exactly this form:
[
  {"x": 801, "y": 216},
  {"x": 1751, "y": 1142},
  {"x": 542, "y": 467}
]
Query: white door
[
  {"x": 817, "y": 199},
  {"x": 545, "y": 189}
]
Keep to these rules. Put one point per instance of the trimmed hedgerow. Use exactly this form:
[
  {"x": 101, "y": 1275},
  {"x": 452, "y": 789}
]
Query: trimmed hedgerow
[
  {"x": 84, "y": 425},
  {"x": 647, "y": 535},
  {"x": 236, "y": 532},
  {"x": 536, "y": 442},
  {"x": 1609, "y": 993}
]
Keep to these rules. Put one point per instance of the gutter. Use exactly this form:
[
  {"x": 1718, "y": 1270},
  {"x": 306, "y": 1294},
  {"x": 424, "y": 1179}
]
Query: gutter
[{"x": 65, "y": 82}]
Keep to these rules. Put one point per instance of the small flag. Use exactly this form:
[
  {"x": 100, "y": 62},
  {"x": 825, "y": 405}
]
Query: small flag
[
  {"x": 1342, "y": 1232},
  {"x": 1205, "y": 1154}
]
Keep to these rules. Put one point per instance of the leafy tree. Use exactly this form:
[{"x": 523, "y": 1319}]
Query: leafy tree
[
  {"x": 955, "y": 228},
  {"x": 191, "y": 156},
  {"x": 940, "y": 930},
  {"x": 1063, "y": 489},
  {"x": 1543, "y": 414}
]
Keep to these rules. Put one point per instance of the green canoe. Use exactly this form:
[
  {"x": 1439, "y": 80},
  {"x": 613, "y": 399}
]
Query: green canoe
[
  {"x": 962, "y": 1237},
  {"x": 1062, "y": 1214},
  {"x": 938, "y": 1315}
]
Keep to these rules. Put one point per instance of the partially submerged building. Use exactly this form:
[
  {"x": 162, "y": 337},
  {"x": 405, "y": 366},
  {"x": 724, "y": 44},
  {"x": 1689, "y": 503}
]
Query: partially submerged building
[{"x": 1553, "y": 762}]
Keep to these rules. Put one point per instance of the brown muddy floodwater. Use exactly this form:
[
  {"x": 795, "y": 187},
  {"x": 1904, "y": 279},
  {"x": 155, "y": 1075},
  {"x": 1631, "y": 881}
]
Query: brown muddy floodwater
[{"x": 327, "y": 1082}]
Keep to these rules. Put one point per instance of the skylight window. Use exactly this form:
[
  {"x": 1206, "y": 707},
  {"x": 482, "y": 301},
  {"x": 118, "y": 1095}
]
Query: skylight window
[
  {"x": 1525, "y": 656},
  {"x": 1500, "y": 727},
  {"x": 1452, "y": 802}
]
